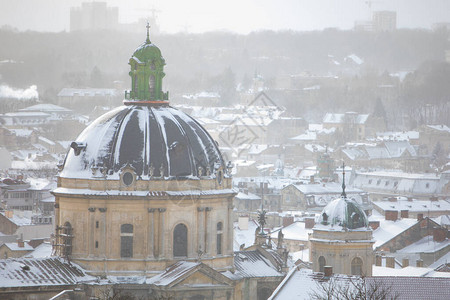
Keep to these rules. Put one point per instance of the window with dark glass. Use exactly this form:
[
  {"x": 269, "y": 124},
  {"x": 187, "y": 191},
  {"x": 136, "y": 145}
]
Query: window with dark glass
[
  {"x": 126, "y": 240},
  {"x": 357, "y": 266},
  {"x": 322, "y": 263},
  {"x": 67, "y": 238},
  {"x": 180, "y": 240},
  {"x": 219, "y": 238}
]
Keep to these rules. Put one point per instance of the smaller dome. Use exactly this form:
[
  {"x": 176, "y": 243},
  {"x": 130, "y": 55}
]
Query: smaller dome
[
  {"x": 345, "y": 213},
  {"x": 148, "y": 52}
]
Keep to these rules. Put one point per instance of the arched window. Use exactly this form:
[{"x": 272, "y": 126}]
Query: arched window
[
  {"x": 126, "y": 240},
  {"x": 357, "y": 266},
  {"x": 67, "y": 239},
  {"x": 219, "y": 237},
  {"x": 322, "y": 263},
  {"x": 180, "y": 240}
]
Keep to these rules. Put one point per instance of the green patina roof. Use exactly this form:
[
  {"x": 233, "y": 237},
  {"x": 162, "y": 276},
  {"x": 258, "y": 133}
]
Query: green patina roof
[
  {"x": 344, "y": 212},
  {"x": 148, "y": 52}
]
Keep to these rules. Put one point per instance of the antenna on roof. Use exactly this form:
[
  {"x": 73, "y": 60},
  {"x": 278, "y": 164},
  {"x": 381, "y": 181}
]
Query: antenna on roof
[{"x": 343, "y": 194}]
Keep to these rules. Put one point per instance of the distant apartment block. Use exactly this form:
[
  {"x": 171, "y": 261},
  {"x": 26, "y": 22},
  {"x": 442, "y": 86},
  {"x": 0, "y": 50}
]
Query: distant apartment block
[
  {"x": 94, "y": 16},
  {"x": 384, "y": 20}
]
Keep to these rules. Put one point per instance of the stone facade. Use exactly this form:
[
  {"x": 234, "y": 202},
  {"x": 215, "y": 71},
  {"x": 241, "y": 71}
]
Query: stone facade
[
  {"x": 96, "y": 223},
  {"x": 345, "y": 251}
]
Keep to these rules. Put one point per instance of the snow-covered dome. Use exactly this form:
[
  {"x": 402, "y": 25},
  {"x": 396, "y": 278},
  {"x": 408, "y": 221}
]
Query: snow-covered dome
[
  {"x": 147, "y": 138},
  {"x": 343, "y": 212}
]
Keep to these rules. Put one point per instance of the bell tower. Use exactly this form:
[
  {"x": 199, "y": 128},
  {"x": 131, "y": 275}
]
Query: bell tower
[{"x": 147, "y": 72}]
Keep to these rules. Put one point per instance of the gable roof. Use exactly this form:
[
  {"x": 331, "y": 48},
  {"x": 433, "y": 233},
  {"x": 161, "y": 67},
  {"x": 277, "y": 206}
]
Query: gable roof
[
  {"x": 182, "y": 270},
  {"x": 252, "y": 263}
]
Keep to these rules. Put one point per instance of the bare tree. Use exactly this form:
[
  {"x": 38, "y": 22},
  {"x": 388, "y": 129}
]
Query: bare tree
[{"x": 353, "y": 288}]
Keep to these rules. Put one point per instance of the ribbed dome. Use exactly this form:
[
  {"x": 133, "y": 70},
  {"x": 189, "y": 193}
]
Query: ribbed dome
[
  {"x": 147, "y": 52},
  {"x": 149, "y": 139},
  {"x": 345, "y": 213}
]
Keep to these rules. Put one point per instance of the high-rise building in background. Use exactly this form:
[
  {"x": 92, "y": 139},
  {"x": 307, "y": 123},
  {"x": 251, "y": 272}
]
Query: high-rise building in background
[
  {"x": 94, "y": 16},
  {"x": 384, "y": 20}
]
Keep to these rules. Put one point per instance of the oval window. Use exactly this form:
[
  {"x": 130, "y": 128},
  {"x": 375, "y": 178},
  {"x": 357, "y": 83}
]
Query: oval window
[{"x": 127, "y": 178}]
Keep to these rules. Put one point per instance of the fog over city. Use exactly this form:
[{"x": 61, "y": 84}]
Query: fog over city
[
  {"x": 225, "y": 150},
  {"x": 233, "y": 15}
]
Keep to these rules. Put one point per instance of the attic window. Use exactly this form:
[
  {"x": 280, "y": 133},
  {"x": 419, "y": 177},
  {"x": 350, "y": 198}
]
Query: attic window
[
  {"x": 378, "y": 182},
  {"x": 395, "y": 183},
  {"x": 427, "y": 185},
  {"x": 386, "y": 183},
  {"x": 370, "y": 181}
]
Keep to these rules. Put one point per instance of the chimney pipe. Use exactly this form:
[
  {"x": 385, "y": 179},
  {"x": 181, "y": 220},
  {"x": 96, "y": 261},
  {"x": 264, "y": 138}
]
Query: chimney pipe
[
  {"x": 328, "y": 270},
  {"x": 404, "y": 214},
  {"x": 391, "y": 215},
  {"x": 390, "y": 262},
  {"x": 309, "y": 223},
  {"x": 419, "y": 217},
  {"x": 419, "y": 263},
  {"x": 439, "y": 234},
  {"x": 374, "y": 224},
  {"x": 405, "y": 262},
  {"x": 378, "y": 260}
]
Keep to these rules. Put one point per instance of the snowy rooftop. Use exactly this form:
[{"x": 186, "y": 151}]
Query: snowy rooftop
[
  {"x": 388, "y": 229},
  {"x": 15, "y": 247},
  {"x": 332, "y": 118},
  {"x": 247, "y": 196},
  {"x": 90, "y": 92},
  {"x": 444, "y": 128},
  {"x": 173, "y": 272},
  {"x": 303, "y": 284},
  {"x": 253, "y": 264},
  {"x": 325, "y": 188},
  {"x": 295, "y": 231},
  {"x": 244, "y": 237},
  {"x": 20, "y": 220},
  {"x": 425, "y": 245},
  {"x": 24, "y": 272},
  {"x": 47, "y": 107},
  {"x": 415, "y": 205}
]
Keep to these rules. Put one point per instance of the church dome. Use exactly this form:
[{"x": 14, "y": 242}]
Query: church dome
[
  {"x": 148, "y": 51},
  {"x": 343, "y": 212},
  {"x": 154, "y": 141}
]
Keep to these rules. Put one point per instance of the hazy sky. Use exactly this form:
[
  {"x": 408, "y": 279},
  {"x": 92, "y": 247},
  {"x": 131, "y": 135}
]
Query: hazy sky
[{"x": 240, "y": 16}]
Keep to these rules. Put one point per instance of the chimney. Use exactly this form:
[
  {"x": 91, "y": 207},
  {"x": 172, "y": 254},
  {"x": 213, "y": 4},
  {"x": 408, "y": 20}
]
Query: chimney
[
  {"x": 391, "y": 215},
  {"x": 309, "y": 223},
  {"x": 9, "y": 214},
  {"x": 390, "y": 262},
  {"x": 433, "y": 198},
  {"x": 405, "y": 262},
  {"x": 404, "y": 214},
  {"x": 419, "y": 217},
  {"x": 378, "y": 260},
  {"x": 311, "y": 179},
  {"x": 410, "y": 199},
  {"x": 419, "y": 263},
  {"x": 392, "y": 199},
  {"x": 288, "y": 220},
  {"x": 328, "y": 270},
  {"x": 20, "y": 243},
  {"x": 439, "y": 234},
  {"x": 374, "y": 224}
]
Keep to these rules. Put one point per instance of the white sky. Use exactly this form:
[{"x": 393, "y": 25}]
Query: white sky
[{"x": 240, "y": 16}]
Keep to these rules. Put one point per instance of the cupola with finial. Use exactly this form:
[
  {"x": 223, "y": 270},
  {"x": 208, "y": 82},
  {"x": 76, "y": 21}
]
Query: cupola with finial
[{"x": 146, "y": 72}]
